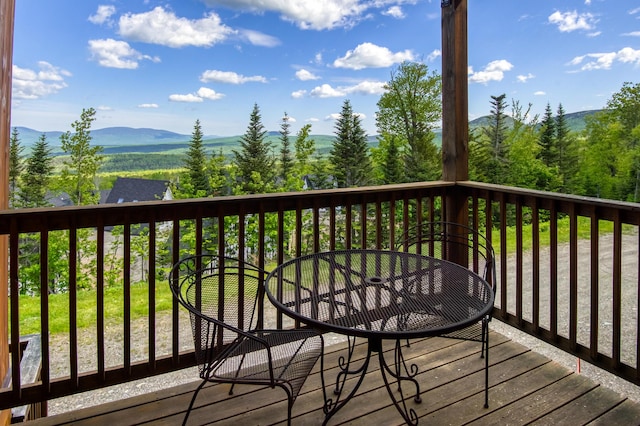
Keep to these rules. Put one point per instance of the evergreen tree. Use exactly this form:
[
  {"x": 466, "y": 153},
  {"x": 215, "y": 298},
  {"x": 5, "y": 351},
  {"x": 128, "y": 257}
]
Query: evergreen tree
[
  {"x": 37, "y": 175},
  {"x": 547, "y": 139},
  {"x": 79, "y": 169},
  {"x": 254, "y": 160},
  {"x": 390, "y": 164},
  {"x": 349, "y": 153},
  {"x": 15, "y": 167},
  {"x": 197, "y": 184},
  {"x": 286, "y": 160},
  {"x": 566, "y": 150},
  {"x": 494, "y": 142}
]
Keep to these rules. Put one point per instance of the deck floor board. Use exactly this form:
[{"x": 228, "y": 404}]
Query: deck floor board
[{"x": 525, "y": 388}]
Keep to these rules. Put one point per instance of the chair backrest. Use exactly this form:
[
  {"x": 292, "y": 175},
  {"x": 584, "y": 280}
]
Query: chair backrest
[
  {"x": 452, "y": 241},
  {"x": 221, "y": 294}
]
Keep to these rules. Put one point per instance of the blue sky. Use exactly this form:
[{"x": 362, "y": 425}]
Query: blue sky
[{"x": 164, "y": 64}]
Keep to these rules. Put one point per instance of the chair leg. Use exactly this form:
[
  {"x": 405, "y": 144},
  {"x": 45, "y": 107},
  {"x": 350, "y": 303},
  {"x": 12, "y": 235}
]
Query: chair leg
[
  {"x": 193, "y": 400},
  {"x": 485, "y": 343}
]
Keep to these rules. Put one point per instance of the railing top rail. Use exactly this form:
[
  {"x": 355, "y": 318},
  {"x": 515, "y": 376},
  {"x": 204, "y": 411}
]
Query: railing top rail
[{"x": 56, "y": 218}]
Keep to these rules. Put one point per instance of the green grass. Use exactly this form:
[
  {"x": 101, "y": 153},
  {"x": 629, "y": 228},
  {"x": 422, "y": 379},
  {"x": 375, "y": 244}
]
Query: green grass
[
  {"x": 114, "y": 296},
  {"x": 86, "y": 307}
]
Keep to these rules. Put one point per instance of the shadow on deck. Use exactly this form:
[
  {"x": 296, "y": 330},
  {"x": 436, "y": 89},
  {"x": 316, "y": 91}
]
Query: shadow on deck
[{"x": 525, "y": 388}]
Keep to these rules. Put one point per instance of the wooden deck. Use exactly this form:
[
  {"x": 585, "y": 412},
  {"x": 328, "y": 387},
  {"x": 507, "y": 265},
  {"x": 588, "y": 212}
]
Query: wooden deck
[{"x": 525, "y": 388}]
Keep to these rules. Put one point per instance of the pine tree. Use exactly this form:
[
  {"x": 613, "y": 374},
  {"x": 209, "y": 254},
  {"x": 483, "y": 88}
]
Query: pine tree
[
  {"x": 494, "y": 143},
  {"x": 392, "y": 167},
  {"x": 37, "y": 175},
  {"x": 350, "y": 151},
  {"x": 196, "y": 164},
  {"x": 254, "y": 160},
  {"x": 286, "y": 160},
  {"x": 79, "y": 169},
  {"x": 15, "y": 167},
  {"x": 566, "y": 150},
  {"x": 547, "y": 141}
]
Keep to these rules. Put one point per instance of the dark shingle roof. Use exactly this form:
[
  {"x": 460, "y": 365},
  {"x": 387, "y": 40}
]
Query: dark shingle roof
[{"x": 134, "y": 189}]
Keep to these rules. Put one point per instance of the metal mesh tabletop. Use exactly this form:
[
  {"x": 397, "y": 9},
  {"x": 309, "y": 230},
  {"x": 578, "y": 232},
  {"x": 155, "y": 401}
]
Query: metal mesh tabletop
[{"x": 379, "y": 293}]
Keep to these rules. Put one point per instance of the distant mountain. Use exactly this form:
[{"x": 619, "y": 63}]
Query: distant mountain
[
  {"x": 118, "y": 140},
  {"x": 109, "y": 136}
]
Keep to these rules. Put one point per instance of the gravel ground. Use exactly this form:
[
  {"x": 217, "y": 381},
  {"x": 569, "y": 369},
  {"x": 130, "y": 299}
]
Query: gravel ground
[{"x": 114, "y": 338}]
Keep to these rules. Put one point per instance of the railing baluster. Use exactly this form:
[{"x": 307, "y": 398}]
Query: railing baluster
[
  {"x": 617, "y": 291},
  {"x": 595, "y": 285},
  {"x": 127, "y": 298},
  {"x": 73, "y": 305},
  {"x": 100, "y": 324},
  {"x": 573, "y": 278},
  {"x": 553, "y": 272}
]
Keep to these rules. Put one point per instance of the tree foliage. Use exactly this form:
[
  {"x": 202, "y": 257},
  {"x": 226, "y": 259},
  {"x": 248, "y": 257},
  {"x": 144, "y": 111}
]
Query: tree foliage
[
  {"x": 196, "y": 165},
  {"x": 254, "y": 160},
  {"x": 79, "y": 169},
  {"x": 409, "y": 110},
  {"x": 15, "y": 166},
  {"x": 350, "y": 152},
  {"x": 37, "y": 175}
]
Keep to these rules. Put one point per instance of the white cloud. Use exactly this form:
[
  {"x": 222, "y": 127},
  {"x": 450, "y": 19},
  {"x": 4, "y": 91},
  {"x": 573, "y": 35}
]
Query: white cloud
[
  {"x": 298, "y": 94},
  {"x": 525, "y": 78},
  {"x": 632, "y": 34},
  {"x": 314, "y": 15},
  {"x": 258, "y": 39},
  {"x": 191, "y": 97},
  {"x": 305, "y": 75},
  {"x": 165, "y": 28},
  {"x": 572, "y": 21},
  {"x": 229, "y": 77},
  {"x": 104, "y": 108},
  {"x": 212, "y": 95},
  {"x": 434, "y": 55},
  {"x": 600, "y": 61},
  {"x": 337, "y": 115},
  {"x": 202, "y": 94},
  {"x": 395, "y": 12},
  {"x": 148, "y": 106},
  {"x": 103, "y": 14},
  {"x": 30, "y": 84},
  {"x": 112, "y": 53},
  {"x": 362, "y": 88},
  {"x": 539, "y": 93},
  {"x": 326, "y": 91},
  {"x": 494, "y": 71},
  {"x": 366, "y": 88},
  {"x": 369, "y": 55}
]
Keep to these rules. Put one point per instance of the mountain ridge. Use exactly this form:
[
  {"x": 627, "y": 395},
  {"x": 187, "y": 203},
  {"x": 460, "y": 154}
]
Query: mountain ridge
[{"x": 127, "y": 138}]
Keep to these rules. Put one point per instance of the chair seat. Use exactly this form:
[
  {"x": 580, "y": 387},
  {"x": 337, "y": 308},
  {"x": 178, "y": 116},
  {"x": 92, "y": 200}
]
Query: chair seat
[
  {"x": 248, "y": 360},
  {"x": 472, "y": 332}
]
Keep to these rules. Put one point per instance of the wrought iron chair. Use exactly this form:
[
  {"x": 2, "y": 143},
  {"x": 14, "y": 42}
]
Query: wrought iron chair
[
  {"x": 230, "y": 345},
  {"x": 462, "y": 244}
]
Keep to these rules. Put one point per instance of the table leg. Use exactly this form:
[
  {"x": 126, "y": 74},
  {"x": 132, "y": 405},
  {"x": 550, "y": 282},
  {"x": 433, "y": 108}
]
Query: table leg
[
  {"x": 332, "y": 406},
  {"x": 401, "y": 372}
]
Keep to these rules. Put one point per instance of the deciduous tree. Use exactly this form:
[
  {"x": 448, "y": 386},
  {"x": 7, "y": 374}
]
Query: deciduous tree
[
  {"x": 409, "y": 110},
  {"x": 81, "y": 165}
]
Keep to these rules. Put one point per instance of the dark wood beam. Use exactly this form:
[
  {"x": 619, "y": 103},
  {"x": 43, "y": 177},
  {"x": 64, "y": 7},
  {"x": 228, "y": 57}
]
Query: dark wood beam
[
  {"x": 7, "y": 10},
  {"x": 455, "y": 104}
]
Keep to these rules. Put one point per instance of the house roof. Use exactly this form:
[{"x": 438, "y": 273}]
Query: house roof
[{"x": 127, "y": 190}]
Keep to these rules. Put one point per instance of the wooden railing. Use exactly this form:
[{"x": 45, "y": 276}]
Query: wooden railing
[{"x": 541, "y": 286}]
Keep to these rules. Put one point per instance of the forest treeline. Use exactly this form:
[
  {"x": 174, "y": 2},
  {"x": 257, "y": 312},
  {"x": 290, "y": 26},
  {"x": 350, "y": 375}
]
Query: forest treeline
[{"x": 513, "y": 147}]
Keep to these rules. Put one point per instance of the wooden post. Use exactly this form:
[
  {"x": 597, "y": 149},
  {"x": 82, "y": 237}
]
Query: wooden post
[
  {"x": 455, "y": 105},
  {"x": 7, "y": 10}
]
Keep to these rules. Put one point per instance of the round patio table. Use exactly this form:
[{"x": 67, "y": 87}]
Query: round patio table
[{"x": 378, "y": 295}]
